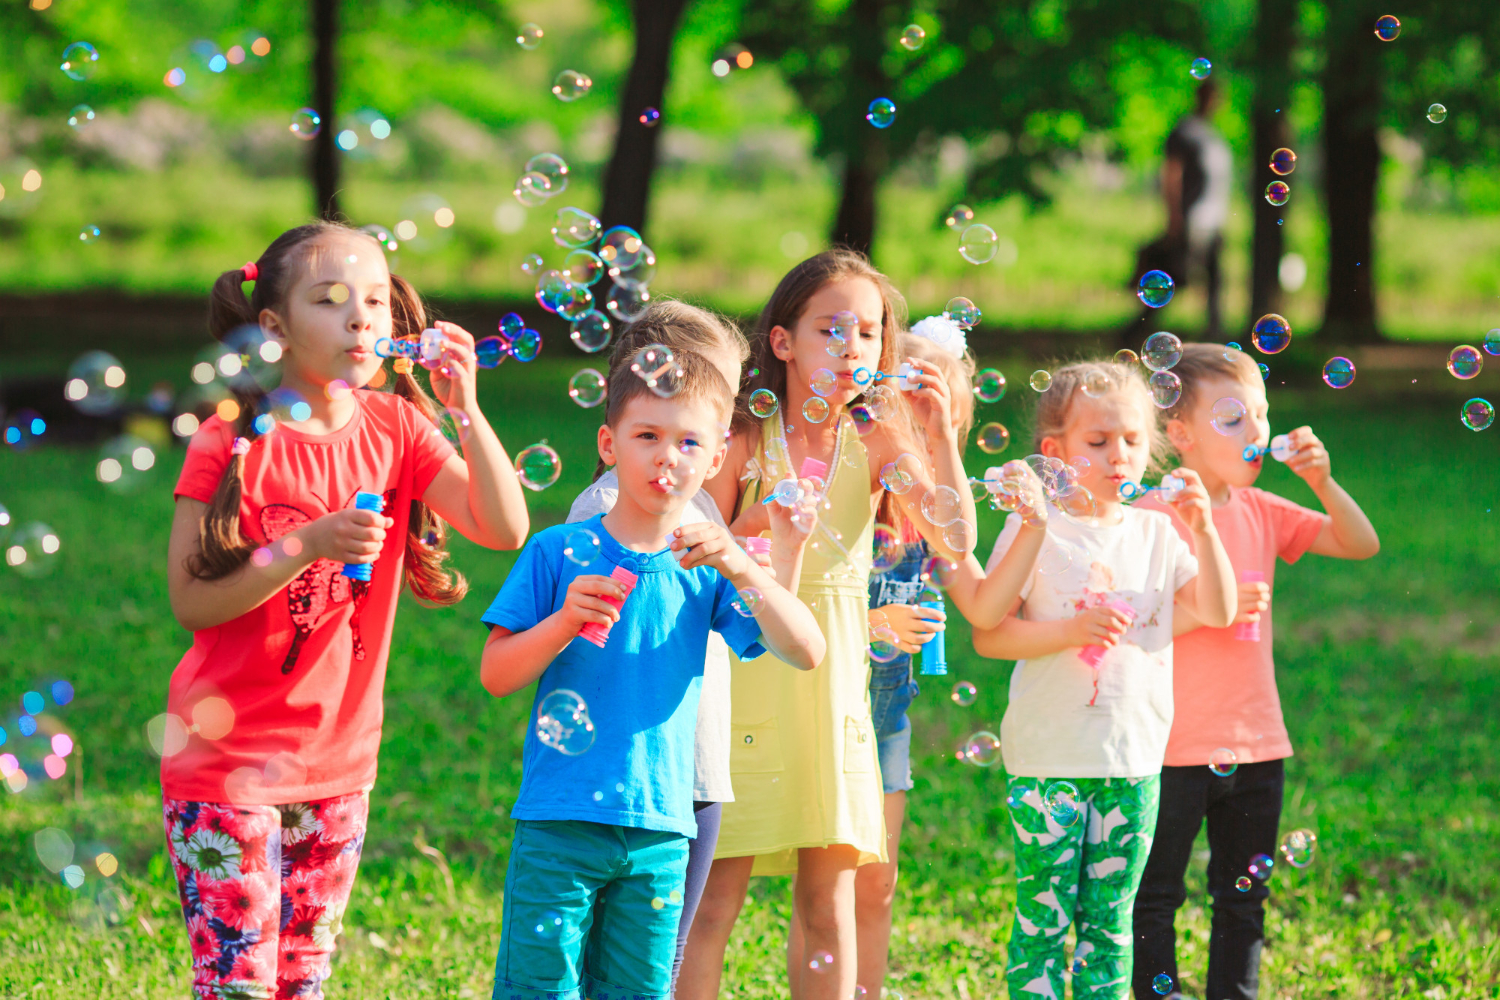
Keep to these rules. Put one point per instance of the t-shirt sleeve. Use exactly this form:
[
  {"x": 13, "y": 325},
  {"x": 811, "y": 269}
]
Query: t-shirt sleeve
[
  {"x": 1002, "y": 545},
  {"x": 598, "y": 498},
  {"x": 208, "y": 455},
  {"x": 529, "y": 591},
  {"x": 704, "y": 504},
  {"x": 428, "y": 451},
  {"x": 740, "y": 633},
  {"x": 1296, "y": 526}
]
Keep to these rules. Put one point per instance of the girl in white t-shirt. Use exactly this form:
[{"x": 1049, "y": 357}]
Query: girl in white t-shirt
[{"x": 1090, "y": 708}]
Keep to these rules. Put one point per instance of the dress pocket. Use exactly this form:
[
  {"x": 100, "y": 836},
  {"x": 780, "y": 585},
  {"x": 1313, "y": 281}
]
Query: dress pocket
[
  {"x": 755, "y": 748},
  {"x": 859, "y": 745}
]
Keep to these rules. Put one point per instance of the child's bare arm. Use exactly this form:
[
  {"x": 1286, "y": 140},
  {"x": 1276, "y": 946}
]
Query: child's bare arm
[
  {"x": 512, "y": 660},
  {"x": 1210, "y": 595},
  {"x": 1019, "y": 639},
  {"x": 1347, "y": 533}
]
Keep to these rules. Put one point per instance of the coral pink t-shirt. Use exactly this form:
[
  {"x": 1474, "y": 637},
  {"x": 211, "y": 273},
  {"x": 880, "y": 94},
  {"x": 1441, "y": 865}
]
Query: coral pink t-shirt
[
  {"x": 302, "y": 674},
  {"x": 1224, "y": 689}
]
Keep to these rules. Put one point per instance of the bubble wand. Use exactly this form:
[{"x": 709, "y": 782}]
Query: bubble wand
[{"x": 1280, "y": 448}]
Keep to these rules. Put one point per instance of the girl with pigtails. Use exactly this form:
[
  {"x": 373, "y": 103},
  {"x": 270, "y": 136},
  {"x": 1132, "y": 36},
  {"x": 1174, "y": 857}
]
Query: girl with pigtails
[{"x": 266, "y": 778}]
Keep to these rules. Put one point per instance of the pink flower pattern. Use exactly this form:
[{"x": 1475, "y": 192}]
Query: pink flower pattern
[{"x": 251, "y": 933}]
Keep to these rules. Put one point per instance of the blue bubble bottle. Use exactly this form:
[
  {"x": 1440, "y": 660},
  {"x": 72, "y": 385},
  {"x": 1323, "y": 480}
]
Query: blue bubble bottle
[
  {"x": 934, "y": 652},
  {"x": 364, "y": 501}
]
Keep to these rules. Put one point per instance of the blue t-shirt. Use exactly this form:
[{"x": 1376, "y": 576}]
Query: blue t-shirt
[{"x": 641, "y": 689}]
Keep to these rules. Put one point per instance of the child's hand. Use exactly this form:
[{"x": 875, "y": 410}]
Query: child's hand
[
  {"x": 914, "y": 626},
  {"x": 707, "y": 544},
  {"x": 454, "y": 381},
  {"x": 1192, "y": 503},
  {"x": 348, "y": 536},
  {"x": 1310, "y": 460},
  {"x": 1101, "y": 626},
  {"x": 791, "y": 525},
  {"x": 931, "y": 399},
  {"x": 1254, "y": 598},
  {"x": 584, "y": 602}
]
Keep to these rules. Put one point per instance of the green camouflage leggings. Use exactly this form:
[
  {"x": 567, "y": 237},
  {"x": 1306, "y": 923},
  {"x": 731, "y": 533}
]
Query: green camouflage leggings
[{"x": 1086, "y": 871}]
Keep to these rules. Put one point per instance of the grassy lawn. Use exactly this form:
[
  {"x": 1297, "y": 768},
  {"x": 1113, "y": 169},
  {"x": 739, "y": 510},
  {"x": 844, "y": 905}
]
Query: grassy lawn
[{"x": 1388, "y": 673}]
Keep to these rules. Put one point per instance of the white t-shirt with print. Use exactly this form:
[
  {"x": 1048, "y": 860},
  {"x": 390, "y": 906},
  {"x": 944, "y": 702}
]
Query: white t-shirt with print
[{"x": 1050, "y": 729}]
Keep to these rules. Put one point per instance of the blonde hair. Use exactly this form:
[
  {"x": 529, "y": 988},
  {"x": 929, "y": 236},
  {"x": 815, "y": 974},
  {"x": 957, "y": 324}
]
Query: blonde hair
[
  {"x": 957, "y": 372},
  {"x": 1054, "y": 405},
  {"x": 1201, "y": 362}
]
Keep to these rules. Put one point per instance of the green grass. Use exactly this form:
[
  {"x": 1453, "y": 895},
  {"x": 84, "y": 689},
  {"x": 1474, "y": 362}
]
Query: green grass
[{"x": 1388, "y": 672}]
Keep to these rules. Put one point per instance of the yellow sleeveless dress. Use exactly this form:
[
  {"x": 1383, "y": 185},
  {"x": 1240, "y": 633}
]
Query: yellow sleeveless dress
[{"x": 802, "y": 754}]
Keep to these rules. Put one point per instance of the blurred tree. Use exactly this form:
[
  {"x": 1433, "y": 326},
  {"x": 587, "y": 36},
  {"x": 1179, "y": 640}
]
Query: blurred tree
[
  {"x": 627, "y": 181},
  {"x": 1022, "y": 81},
  {"x": 1274, "y": 36},
  {"x": 325, "y": 156}
]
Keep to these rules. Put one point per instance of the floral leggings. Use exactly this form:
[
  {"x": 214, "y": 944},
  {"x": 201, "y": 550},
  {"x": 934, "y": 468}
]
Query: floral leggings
[{"x": 263, "y": 890}]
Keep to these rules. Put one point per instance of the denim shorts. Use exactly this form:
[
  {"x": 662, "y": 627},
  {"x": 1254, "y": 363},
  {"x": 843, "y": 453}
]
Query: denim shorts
[{"x": 892, "y": 688}]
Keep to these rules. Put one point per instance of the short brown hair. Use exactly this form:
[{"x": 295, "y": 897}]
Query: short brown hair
[
  {"x": 1201, "y": 362},
  {"x": 697, "y": 378},
  {"x": 1053, "y": 406},
  {"x": 681, "y": 327}
]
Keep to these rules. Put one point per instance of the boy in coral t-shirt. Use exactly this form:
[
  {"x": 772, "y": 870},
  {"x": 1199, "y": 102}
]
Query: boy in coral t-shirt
[{"x": 1224, "y": 760}]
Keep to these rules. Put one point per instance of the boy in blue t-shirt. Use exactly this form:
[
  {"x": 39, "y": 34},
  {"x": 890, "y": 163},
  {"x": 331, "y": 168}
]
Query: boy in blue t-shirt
[{"x": 594, "y": 885}]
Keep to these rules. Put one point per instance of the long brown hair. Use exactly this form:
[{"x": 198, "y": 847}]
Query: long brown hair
[{"x": 222, "y": 549}]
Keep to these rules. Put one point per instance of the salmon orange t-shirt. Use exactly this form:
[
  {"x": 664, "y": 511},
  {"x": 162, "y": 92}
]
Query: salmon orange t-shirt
[
  {"x": 284, "y": 703},
  {"x": 1224, "y": 689}
]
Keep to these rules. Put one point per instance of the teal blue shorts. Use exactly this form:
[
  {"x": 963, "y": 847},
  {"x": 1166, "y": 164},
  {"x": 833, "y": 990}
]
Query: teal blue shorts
[{"x": 590, "y": 910}]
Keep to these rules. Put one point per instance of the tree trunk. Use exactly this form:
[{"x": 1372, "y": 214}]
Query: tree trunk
[
  {"x": 1351, "y": 106},
  {"x": 865, "y": 148},
  {"x": 325, "y": 162},
  {"x": 627, "y": 181},
  {"x": 1274, "y": 37},
  {"x": 854, "y": 226}
]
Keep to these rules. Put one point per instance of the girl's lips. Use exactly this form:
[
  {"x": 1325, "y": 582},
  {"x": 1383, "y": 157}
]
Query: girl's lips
[
  {"x": 360, "y": 354},
  {"x": 660, "y": 487}
]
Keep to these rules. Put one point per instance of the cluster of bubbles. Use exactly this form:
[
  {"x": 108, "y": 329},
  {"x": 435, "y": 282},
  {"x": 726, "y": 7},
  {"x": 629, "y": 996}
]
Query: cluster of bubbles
[
  {"x": 563, "y": 723},
  {"x": 43, "y": 746},
  {"x": 1023, "y": 485},
  {"x": 1465, "y": 362},
  {"x": 977, "y": 242},
  {"x": 544, "y": 176}
]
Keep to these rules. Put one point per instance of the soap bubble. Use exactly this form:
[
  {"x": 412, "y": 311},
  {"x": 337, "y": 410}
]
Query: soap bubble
[
  {"x": 1041, "y": 380},
  {"x": 981, "y": 749},
  {"x": 1492, "y": 341},
  {"x": 81, "y": 117},
  {"x": 1125, "y": 356},
  {"x": 962, "y": 311},
  {"x": 824, "y": 382},
  {"x": 554, "y": 292},
  {"x": 574, "y": 228},
  {"x": 888, "y": 549},
  {"x": 978, "y": 244},
  {"x": 529, "y": 36},
  {"x": 583, "y": 267},
  {"x": 649, "y": 117},
  {"x": 1226, "y": 415},
  {"x": 621, "y": 247},
  {"x": 993, "y": 438},
  {"x": 845, "y": 323},
  {"x": 938, "y": 572},
  {"x": 1155, "y": 289},
  {"x": 587, "y": 388},
  {"x": 1061, "y": 800},
  {"x": 989, "y": 385},
  {"x": 79, "y": 60},
  {"x": 763, "y": 403},
  {"x": 96, "y": 383},
  {"x": 1161, "y": 984},
  {"x": 964, "y": 694},
  {"x": 656, "y": 365},
  {"x": 942, "y": 505},
  {"x": 1200, "y": 68},
  {"x": 815, "y": 410},
  {"x": 538, "y": 467},
  {"x": 1166, "y": 389},
  {"x": 531, "y": 190},
  {"x": 1161, "y": 351},
  {"x": 54, "y": 848},
  {"x": 881, "y": 112},
  {"x": 821, "y": 961},
  {"x": 24, "y": 429},
  {"x": 1464, "y": 362},
  {"x": 1053, "y": 559},
  {"x": 124, "y": 463},
  {"x": 902, "y": 474},
  {"x": 563, "y": 723},
  {"x": 33, "y": 550},
  {"x": 1387, "y": 28},
  {"x": 913, "y": 37},
  {"x": 1243, "y": 883},
  {"x": 959, "y": 217},
  {"x": 591, "y": 331},
  {"x": 1272, "y": 334},
  {"x": 1265, "y": 370},
  {"x": 883, "y": 648},
  {"x": 748, "y": 601},
  {"x": 570, "y": 85},
  {"x": 627, "y": 304},
  {"x": 880, "y": 402},
  {"x": 1278, "y": 193},
  {"x": 1223, "y": 762},
  {"x": 306, "y": 124},
  {"x": 1478, "y": 414},
  {"x": 1261, "y": 865},
  {"x": 1437, "y": 114},
  {"x": 88, "y": 234},
  {"x": 1283, "y": 162},
  {"x": 1339, "y": 372},
  {"x": 1299, "y": 847},
  {"x": 581, "y": 546},
  {"x": 532, "y": 263},
  {"x": 638, "y": 271},
  {"x": 1096, "y": 383},
  {"x": 961, "y": 536}
]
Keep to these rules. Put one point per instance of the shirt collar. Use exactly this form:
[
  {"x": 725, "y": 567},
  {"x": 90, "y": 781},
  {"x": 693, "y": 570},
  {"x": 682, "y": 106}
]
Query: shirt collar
[{"x": 636, "y": 562}]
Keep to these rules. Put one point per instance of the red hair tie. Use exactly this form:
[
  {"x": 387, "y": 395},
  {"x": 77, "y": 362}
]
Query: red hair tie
[{"x": 250, "y": 271}]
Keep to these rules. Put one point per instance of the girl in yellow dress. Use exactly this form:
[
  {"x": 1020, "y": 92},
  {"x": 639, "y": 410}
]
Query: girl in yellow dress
[{"x": 808, "y": 795}]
